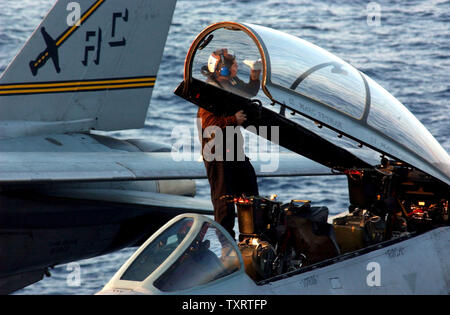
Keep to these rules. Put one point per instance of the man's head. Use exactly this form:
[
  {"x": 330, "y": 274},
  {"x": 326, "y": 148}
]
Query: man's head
[{"x": 222, "y": 62}]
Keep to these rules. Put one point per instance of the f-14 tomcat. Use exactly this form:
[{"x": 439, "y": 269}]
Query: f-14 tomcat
[
  {"x": 395, "y": 236},
  {"x": 68, "y": 192}
]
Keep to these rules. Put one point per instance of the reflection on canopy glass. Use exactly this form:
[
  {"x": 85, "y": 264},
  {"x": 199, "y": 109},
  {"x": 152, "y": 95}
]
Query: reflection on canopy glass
[{"x": 225, "y": 49}]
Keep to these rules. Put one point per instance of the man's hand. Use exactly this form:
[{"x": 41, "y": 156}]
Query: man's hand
[
  {"x": 254, "y": 64},
  {"x": 240, "y": 117},
  {"x": 255, "y": 67}
]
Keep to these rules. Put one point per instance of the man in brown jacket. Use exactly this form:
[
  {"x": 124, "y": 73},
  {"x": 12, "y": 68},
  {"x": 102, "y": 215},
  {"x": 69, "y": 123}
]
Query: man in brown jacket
[{"x": 229, "y": 174}]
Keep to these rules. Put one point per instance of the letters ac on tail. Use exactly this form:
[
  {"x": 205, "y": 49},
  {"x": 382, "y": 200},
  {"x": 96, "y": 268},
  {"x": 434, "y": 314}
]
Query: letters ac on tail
[{"x": 103, "y": 56}]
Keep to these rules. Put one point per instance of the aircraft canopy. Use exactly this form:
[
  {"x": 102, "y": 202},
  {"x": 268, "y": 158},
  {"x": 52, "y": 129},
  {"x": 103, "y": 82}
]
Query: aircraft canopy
[
  {"x": 315, "y": 83},
  {"x": 189, "y": 251}
]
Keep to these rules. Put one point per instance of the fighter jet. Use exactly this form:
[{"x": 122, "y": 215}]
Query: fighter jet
[
  {"x": 66, "y": 192},
  {"x": 393, "y": 239}
]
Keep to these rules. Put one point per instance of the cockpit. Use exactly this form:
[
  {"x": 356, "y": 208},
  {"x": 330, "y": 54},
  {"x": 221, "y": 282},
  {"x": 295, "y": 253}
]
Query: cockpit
[{"x": 189, "y": 251}]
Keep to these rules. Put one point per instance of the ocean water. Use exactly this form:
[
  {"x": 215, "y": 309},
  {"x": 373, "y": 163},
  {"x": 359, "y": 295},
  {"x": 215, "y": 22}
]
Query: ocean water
[{"x": 408, "y": 54}]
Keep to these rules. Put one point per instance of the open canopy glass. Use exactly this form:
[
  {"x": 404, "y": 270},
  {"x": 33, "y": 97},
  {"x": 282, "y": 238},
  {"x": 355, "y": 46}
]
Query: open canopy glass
[{"x": 313, "y": 82}]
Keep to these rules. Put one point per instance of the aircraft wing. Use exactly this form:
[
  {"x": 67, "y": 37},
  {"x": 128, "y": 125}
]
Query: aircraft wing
[
  {"x": 25, "y": 167},
  {"x": 167, "y": 202}
]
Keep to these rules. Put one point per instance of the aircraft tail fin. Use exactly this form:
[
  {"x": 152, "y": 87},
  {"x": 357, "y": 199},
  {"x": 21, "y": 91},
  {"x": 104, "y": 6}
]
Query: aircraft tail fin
[{"x": 91, "y": 64}]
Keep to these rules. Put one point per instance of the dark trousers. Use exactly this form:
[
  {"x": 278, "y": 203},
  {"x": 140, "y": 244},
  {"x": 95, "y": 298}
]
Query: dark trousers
[{"x": 229, "y": 178}]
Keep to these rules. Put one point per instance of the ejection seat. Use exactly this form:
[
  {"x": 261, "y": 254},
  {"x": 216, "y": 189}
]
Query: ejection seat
[{"x": 311, "y": 230}]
